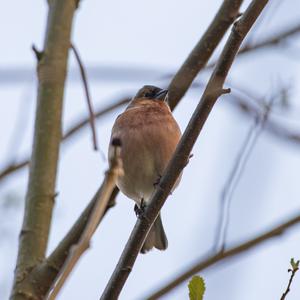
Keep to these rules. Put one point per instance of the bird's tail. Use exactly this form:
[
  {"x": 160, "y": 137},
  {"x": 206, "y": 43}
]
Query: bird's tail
[{"x": 156, "y": 237}]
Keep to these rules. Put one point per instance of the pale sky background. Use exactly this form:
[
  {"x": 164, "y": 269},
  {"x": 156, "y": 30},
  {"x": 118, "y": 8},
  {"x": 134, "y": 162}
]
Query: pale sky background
[{"x": 157, "y": 36}]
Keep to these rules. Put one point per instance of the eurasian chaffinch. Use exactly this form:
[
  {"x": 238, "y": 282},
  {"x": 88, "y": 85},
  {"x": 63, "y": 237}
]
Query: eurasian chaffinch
[{"x": 148, "y": 134}]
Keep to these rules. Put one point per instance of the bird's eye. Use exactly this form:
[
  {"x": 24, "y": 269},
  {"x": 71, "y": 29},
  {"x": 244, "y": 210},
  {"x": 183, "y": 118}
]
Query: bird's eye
[{"x": 147, "y": 95}]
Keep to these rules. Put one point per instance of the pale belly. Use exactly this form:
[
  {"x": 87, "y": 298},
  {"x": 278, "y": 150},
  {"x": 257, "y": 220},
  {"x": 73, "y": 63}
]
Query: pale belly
[
  {"x": 146, "y": 150},
  {"x": 140, "y": 174}
]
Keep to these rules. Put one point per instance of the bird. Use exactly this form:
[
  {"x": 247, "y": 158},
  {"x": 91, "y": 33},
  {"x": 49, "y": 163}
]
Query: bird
[{"x": 148, "y": 134}]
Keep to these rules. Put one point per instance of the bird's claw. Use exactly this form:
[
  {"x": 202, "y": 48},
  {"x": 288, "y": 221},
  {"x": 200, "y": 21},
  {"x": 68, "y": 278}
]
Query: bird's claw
[
  {"x": 157, "y": 181},
  {"x": 140, "y": 209}
]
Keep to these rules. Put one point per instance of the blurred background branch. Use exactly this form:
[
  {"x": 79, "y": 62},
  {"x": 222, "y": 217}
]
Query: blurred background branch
[
  {"x": 231, "y": 252},
  {"x": 236, "y": 174}
]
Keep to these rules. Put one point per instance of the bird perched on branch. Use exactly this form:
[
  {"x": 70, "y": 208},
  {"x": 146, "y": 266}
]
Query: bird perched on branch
[{"x": 149, "y": 135}]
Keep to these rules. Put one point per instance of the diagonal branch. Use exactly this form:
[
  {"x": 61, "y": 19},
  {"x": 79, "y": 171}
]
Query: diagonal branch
[
  {"x": 70, "y": 133},
  {"x": 274, "y": 40},
  {"x": 211, "y": 260},
  {"x": 74, "y": 129},
  {"x": 45, "y": 273},
  {"x": 202, "y": 52},
  {"x": 212, "y": 92},
  {"x": 99, "y": 209}
]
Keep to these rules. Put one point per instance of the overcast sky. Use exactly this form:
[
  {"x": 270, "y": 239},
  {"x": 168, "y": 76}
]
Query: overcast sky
[{"x": 148, "y": 39}]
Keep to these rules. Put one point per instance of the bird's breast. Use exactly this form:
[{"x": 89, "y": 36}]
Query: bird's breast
[{"x": 149, "y": 138}]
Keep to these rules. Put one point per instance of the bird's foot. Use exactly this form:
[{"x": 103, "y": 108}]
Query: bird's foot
[
  {"x": 157, "y": 181},
  {"x": 140, "y": 209}
]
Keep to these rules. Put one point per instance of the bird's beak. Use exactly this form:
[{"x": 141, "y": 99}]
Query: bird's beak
[{"x": 161, "y": 95}]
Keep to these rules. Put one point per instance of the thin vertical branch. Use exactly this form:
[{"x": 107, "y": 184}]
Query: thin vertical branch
[
  {"x": 236, "y": 174},
  {"x": 219, "y": 244},
  {"x": 52, "y": 68},
  {"x": 88, "y": 98}
]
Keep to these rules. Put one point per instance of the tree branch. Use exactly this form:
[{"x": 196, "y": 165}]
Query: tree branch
[
  {"x": 200, "y": 55},
  {"x": 293, "y": 270},
  {"x": 212, "y": 92},
  {"x": 71, "y": 132},
  {"x": 270, "y": 41},
  {"x": 236, "y": 173},
  {"x": 211, "y": 260},
  {"x": 52, "y": 67},
  {"x": 276, "y": 39},
  {"x": 45, "y": 273},
  {"x": 99, "y": 209},
  {"x": 88, "y": 98}
]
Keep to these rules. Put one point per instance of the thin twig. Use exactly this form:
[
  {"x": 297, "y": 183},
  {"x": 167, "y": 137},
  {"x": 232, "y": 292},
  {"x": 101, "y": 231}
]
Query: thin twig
[
  {"x": 88, "y": 98},
  {"x": 78, "y": 249},
  {"x": 219, "y": 243},
  {"x": 212, "y": 92},
  {"x": 210, "y": 260},
  {"x": 73, "y": 129},
  {"x": 293, "y": 270},
  {"x": 236, "y": 174},
  {"x": 274, "y": 40}
]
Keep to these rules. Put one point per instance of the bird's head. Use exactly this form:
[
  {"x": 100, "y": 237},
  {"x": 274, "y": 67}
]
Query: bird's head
[{"x": 151, "y": 92}]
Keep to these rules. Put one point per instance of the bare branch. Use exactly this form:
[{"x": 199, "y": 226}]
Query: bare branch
[
  {"x": 40, "y": 194},
  {"x": 74, "y": 129},
  {"x": 100, "y": 206},
  {"x": 274, "y": 40},
  {"x": 44, "y": 274},
  {"x": 211, "y": 260},
  {"x": 293, "y": 270},
  {"x": 236, "y": 173},
  {"x": 200, "y": 55},
  {"x": 88, "y": 98},
  {"x": 213, "y": 90}
]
